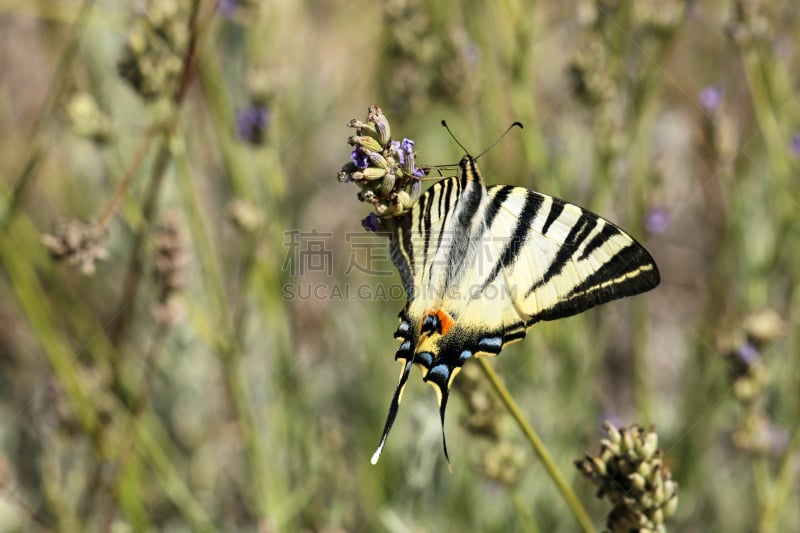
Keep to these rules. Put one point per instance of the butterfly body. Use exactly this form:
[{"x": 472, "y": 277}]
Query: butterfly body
[{"x": 481, "y": 265}]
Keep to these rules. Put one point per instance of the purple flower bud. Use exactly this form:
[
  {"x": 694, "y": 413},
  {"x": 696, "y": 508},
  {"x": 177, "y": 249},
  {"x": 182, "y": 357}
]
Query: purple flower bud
[
  {"x": 228, "y": 7},
  {"x": 711, "y": 98},
  {"x": 657, "y": 220},
  {"x": 796, "y": 144},
  {"x": 251, "y": 123},
  {"x": 747, "y": 353},
  {"x": 407, "y": 157},
  {"x": 371, "y": 223},
  {"x": 360, "y": 158},
  {"x": 401, "y": 156},
  {"x": 472, "y": 54}
]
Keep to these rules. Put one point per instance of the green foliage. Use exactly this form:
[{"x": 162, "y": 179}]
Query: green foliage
[{"x": 174, "y": 354}]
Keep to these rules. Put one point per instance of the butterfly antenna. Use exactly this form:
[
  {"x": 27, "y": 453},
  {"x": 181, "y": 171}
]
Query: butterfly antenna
[
  {"x": 517, "y": 123},
  {"x": 453, "y": 136}
]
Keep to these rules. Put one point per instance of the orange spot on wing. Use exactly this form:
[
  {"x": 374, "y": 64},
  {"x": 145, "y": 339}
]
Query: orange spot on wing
[
  {"x": 441, "y": 317},
  {"x": 445, "y": 320}
]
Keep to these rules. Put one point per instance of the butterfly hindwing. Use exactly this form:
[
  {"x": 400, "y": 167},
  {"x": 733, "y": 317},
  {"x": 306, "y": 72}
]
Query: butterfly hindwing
[{"x": 481, "y": 265}]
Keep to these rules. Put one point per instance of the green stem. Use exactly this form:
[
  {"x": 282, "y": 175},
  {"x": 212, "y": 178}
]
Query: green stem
[
  {"x": 126, "y": 473},
  {"x": 783, "y": 486},
  {"x": 225, "y": 339},
  {"x": 538, "y": 446},
  {"x": 527, "y": 523},
  {"x": 761, "y": 483},
  {"x": 127, "y": 179},
  {"x": 133, "y": 276}
]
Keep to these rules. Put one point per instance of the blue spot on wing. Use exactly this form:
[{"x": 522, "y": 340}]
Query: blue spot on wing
[
  {"x": 490, "y": 344},
  {"x": 466, "y": 354},
  {"x": 425, "y": 358},
  {"x": 439, "y": 374}
]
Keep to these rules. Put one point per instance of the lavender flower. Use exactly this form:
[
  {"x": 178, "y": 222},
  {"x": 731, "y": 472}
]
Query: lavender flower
[
  {"x": 228, "y": 8},
  {"x": 796, "y": 144},
  {"x": 371, "y": 223},
  {"x": 251, "y": 123},
  {"x": 360, "y": 158},
  {"x": 657, "y": 220},
  {"x": 384, "y": 170},
  {"x": 711, "y": 98},
  {"x": 747, "y": 353},
  {"x": 407, "y": 145},
  {"x": 395, "y": 147}
]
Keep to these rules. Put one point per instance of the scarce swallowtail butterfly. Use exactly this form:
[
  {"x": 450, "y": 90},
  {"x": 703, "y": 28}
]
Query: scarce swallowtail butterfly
[{"x": 482, "y": 264}]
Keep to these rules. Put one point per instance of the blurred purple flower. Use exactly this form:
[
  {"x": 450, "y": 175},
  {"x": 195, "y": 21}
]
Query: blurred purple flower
[
  {"x": 472, "y": 54},
  {"x": 710, "y": 98},
  {"x": 251, "y": 123},
  {"x": 360, "y": 158},
  {"x": 778, "y": 438},
  {"x": 228, "y": 7},
  {"x": 612, "y": 417},
  {"x": 657, "y": 220},
  {"x": 783, "y": 46},
  {"x": 796, "y": 144},
  {"x": 371, "y": 223},
  {"x": 747, "y": 353}
]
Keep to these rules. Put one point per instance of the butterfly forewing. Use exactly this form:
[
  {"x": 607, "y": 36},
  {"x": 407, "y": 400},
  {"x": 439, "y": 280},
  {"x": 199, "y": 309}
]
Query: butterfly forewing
[{"x": 566, "y": 259}]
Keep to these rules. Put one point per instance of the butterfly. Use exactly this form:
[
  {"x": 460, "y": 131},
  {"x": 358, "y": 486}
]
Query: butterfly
[{"x": 482, "y": 264}]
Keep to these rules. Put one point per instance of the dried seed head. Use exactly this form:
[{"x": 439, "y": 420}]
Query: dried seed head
[
  {"x": 631, "y": 475},
  {"x": 170, "y": 263},
  {"x": 504, "y": 463},
  {"x": 157, "y": 41},
  {"x": 76, "y": 243}
]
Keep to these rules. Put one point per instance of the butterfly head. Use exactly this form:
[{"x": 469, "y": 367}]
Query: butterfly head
[{"x": 469, "y": 168}]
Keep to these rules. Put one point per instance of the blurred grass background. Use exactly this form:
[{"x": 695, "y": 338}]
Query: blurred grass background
[{"x": 182, "y": 382}]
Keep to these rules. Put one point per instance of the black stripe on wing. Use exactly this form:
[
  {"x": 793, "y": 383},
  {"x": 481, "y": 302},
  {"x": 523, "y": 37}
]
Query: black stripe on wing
[
  {"x": 552, "y": 216},
  {"x": 498, "y": 198},
  {"x": 582, "y": 228},
  {"x": 402, "y": 253},
  {"x": 446, "y": 192},
  {"x": 631, "y": 271},
  {"x": 533, "y": 202},
  {"x": 424, "y": 226}
]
